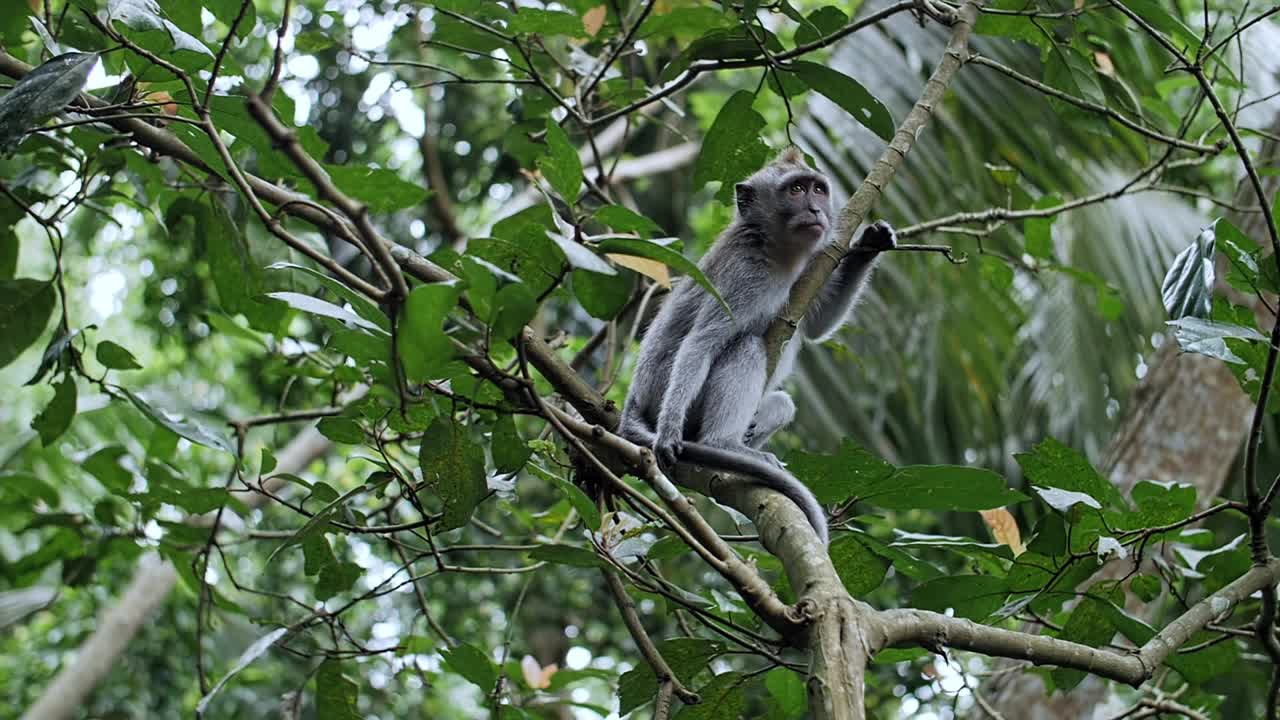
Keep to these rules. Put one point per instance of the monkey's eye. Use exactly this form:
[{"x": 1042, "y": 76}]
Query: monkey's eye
[
  {"x": 797, "y": 188},
  {"x": 820, "y": 189}
]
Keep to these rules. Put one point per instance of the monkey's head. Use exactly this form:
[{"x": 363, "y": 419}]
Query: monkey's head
[{"x": 789, "y": 201}]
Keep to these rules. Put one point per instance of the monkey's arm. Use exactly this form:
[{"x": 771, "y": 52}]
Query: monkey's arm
[
  {"x": 846, "y": 283},
  {"x": 712, "y": 332}
]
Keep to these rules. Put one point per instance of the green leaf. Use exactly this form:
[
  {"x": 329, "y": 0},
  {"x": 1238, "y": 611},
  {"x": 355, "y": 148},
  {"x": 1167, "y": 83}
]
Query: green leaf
[
  {"x": 191, "y": 429},
  {"x": 29, "y": 487},
  {"x": 453, "y": 467},
  {"x": 860, "y": 569},
  {"x": 722, "y": 697},
  {"x": 1039, "y": 231},
  {"x": 363, "y": 306},
  {"x": 228, "y": 10},
  {"x": 323, "y": 308},
  {"x": 688, "y": 657},
  {"x": 972, "y": 596},
  {"x": 317, "y": 554},
  {"x": 732, "y": 148},
  {"x": 424, "y": 348},
  {"x": 833, "y": 478},
  {"x": 1164, "y": 21},
  {"x": 822, "y": 22},
  {"x": 561, "y": 166},
  {"x": 622, "y": 219},
  {"x": 336, "y": 694},
  {"x": 786, "y": 687},
  {"x": 337, "y": 578},
  {"x": 251, "y": 653},
  {"x": 341, "y": 430},
  {"x": 9, "y": 251},
  {"x": 602, "y": 296},
  {"x": 1089, "y": 624},
  {"x": 545, "y": 22},
  {"x": 113, "y": 356},
  {"x": 381, "y": 190},
  {"x": 1188, "y": 285},
  {"x": 56, "y": 417},
  {"x": 41, "y": 93},
  {"x": 312, "y": 41},
  {"x": 104, "y": 464},
  {"x": 664, "y": 255},
  {"x": 1068, "y": 70},
  {"x": 1146, "y": 587},
  {"x": 849, "y": 94},
  {"x": 25, "y": 307},
  {"x": 1052, "y": 464},
  {"x": 577, "y": 498},
  {"x": 509, "y": 450},
  {"x": 513, "y": 307},
  {"x": 567, "y": 555},
  {"x": 472, "y": 664}
]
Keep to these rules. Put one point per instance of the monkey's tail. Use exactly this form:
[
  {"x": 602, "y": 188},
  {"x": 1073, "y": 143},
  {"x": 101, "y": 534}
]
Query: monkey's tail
[{"x": 720, "y": 459}]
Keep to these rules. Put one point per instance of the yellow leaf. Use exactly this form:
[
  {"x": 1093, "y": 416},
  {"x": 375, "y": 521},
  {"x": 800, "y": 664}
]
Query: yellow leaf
[
  {"x": 644, "y": 266},
  {"x": 593, "y": 20},
  {"x": 1004, "y": 528},
  {"x": 1103, "y": 61}
]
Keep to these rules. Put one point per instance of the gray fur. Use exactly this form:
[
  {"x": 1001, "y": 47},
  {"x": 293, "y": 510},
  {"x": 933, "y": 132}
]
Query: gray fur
[{"x": 699, "y": 391}]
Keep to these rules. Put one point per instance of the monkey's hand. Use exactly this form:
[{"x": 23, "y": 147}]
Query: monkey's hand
[
  {"x": 877, "y": 237},
  {"x": 667, "y": 448}
]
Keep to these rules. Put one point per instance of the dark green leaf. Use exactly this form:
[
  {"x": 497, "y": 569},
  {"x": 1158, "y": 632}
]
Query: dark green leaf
[
  {"x": 1146, "y": 587},
  {"x": 625, "y": 220},
  {"x": 546, "y": 22},
  {"x": 688, "y": 657},
  {"x": 602, "y": 296},
  {"x": 1052, "y": 464},
  {"x": 53, "y": 354},
  {"x": 786, "y": 687},
  {"x": 1039, "y": 231},
  {"x": 341, "y": 430},
  {"x": 41, "y": 93},
  {"x": 860, "y": 569},
  {"x": 577, "y": 498},
  {"x": 29, "y": 487},
  {"x": 25, "y": 307},
  {"x": 337, "y": 578},
  {"x": 1089, "y": 624},
  {"x": 664, "y": 255},
  {"x": 732, "y": 148},
  {"x": 424, "y": 348},
  {"x": 834, "y": 478},
  {"x": 56, "y": 416},
  {"x": 312, "y": 41},
  {"x": 453, "y": 467},
  {"x": 513, "y": 307},
  {"x": 820, "y": 23},
  {"x": 849, "y": 94},
  {"x": 113, "y": 356},
  {"x": 336, "y": 694},
  {"x": 381, "y": 190},
  {"x": 972, "y": 596},
  {"x": 561, "y": 166},
  {"x": 472, "y": 664},
  {"x": 104, "y": 465},
  {"x": 509, "y": 450},
  {"x": 317, "y": 554},
  {"x": 722, "y": 697},
  {"x": 566, "y": 555}
]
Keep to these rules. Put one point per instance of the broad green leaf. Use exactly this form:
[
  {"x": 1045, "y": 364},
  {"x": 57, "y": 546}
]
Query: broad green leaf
[
  {"x": 664, "y": 255},
  {"x": 823, "y": 22},
  {"x": 363, "y": 306},
  {"x": 29, "y": 487},
  {"x": 849, "y": 94},
  {"x": 722, "y": 697},
  {"x": 113, "y": 356},
  {"x": 1039, "y": 231},
  {"x": 1164, "y": 21},
  {"x": 1188, "y": 285},
  {"x": 189, "y": 428},
  {"x": 972, "y": 596},
  {"x": 251, "y": 653},
  {"x": 317, "y": 554},
  {"x": 578, "y": 499},
  {"x": 453, "y": 467},
  {"x": 561, "y": 166},
  {"x": 1089, "y": 624},
  {"x": 228, "y": 10},
  {"x": 41, "y": 93},
  {"x": 602, "y": 296},
  {"x": 380, "y": 189},
  {"x": 323, "y": 308},
  {"x": 545, "y": 22},
  {"x": 104, "y": 464},
  {"x": 313, "y": 41},
  {"x": 732, "y": 148},
  {"x": 625, "y": 220},
  {"x": 337, "y": 578},
  {"x": 1146, "y": 587},
  {"x": 567, "y": 555},
  {"x": 9, "y": 251},
  {"x": 424, "y": 348},
  {"x": 513, "y": 307},
  {"x": 688, "y": 657},
  {"x": 25, "y": 307},
  {"x": 787, "y": 689},
  {"x": 509, "y": 450},
  {"x": 336, "y": 694},
  {"x": 721, "y": 44},
  {"x": 1052, "y": 464},
  {"x": 56, "y": 417},
  {"x": 341, "y": 430},
  {"x": 1068, "y": 70},
  {"x": 472, "y": 664},
  {"x": 833, "y": 478},
  {"x": 860, "y": 569}
]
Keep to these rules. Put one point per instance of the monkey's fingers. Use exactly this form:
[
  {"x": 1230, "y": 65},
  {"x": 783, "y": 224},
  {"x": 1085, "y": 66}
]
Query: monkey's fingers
[{"x": 878, "y": 236}]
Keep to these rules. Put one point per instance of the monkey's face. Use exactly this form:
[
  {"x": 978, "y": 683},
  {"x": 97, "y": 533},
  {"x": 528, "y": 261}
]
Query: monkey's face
[{"x": 804, "y": 208}]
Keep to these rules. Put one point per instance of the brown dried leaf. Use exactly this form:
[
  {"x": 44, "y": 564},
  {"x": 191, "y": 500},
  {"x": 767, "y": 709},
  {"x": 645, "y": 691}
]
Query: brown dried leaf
[
  {"x": 536, "y": 676},
  {"x": 1004, "y": 528},
  {"x": 593, "y": 20},
  {"x": 649, "y": 268}
]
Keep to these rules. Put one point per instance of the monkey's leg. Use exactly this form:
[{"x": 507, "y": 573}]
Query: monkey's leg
[
  {"x": 777, "y": 410},
  {"x": 732, "y": 398}
]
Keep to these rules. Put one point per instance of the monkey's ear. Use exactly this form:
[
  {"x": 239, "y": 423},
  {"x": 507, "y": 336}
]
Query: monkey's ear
[{"x": 745, "y": 194}]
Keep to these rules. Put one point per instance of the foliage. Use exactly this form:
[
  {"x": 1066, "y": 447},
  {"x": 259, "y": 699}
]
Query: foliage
[{"x": 290, "y": 293}]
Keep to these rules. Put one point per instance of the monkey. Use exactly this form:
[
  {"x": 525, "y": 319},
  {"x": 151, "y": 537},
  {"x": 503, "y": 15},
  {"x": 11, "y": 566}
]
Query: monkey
[{"x": 700, "y": 392}]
